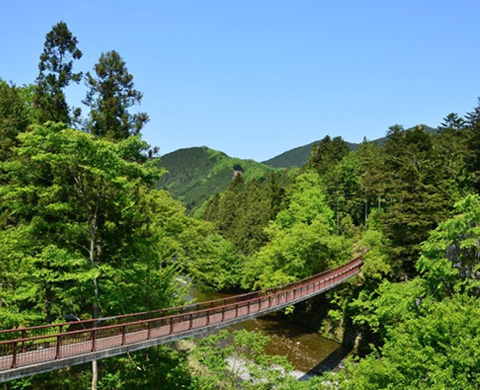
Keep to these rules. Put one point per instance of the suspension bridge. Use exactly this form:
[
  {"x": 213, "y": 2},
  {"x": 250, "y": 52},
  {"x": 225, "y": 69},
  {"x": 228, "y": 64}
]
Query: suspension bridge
[{"x": 29, "y": 351}]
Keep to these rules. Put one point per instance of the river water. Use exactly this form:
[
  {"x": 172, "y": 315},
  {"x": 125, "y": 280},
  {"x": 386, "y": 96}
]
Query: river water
[{"x": 307, "y": 351}]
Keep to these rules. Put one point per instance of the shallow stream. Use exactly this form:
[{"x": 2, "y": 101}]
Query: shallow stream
[{"x": 307, "y": 351}]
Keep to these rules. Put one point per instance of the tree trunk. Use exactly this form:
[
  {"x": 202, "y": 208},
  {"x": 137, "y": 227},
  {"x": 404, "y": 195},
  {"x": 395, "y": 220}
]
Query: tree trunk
[
  {"x": 94, "y": 375},
  {"x": 366, "y": 209},
  {"x": 48, "y": 304},
  {"x": 93, "y": 234},
  {"x": 338, "y": 219}
]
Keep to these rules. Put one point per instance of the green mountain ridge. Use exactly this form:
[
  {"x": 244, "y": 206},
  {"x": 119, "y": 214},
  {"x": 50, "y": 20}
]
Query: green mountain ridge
[
  {"x": 299, "y": 155},
  {"x": 194, "y": 174}
]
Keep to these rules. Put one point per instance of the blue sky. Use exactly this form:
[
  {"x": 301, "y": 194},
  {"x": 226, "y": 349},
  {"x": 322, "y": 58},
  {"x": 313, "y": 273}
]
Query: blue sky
[{"x": 255, "y": 78}]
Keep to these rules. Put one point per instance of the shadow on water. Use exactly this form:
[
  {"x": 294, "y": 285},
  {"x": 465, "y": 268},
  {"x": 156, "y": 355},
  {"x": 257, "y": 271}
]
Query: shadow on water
[{"x": 330, "y": 363}]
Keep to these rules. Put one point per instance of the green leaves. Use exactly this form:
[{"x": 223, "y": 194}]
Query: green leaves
[
  {"x": 301, "y": 239},
  {"x": 80, "y": 210},
  {"x": 437, "y": 348},
  {"x": 450, "y": 257}
]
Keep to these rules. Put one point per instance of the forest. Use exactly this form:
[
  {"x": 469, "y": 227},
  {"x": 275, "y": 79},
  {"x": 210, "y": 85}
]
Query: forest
[{"x": 84, "y": 232}]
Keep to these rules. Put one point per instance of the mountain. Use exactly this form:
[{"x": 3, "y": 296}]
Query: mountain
[
  {"x": 194, "y": 174},
  {"x": 298, "y": 156}
]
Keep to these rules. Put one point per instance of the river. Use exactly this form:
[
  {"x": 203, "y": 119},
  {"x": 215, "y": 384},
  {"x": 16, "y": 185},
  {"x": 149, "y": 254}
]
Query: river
[{"x": 307, "y": 351}]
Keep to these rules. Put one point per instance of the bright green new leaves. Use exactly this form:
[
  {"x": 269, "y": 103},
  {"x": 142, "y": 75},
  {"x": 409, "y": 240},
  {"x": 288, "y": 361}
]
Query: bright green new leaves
[
  {"x": 13, "y": 118},
  {"x": 383, "y": 309},
  {"x": 450, "y": 257},
  {"x": 301, "y": 239},
  {"x": 77, "y": 214},
  {"x": 437, "y": 348}
]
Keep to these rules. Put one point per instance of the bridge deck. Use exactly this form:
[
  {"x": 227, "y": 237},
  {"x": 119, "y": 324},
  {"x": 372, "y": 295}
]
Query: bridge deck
[{"x": 31, "y": 353}]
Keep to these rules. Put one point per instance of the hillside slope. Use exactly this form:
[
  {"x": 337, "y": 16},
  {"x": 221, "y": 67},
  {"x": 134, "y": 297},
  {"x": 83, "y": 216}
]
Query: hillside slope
[
  {"x": 296, "y": 157},
  {"x": 194, "y": 174},
  {"x": 299, "y": 155}
]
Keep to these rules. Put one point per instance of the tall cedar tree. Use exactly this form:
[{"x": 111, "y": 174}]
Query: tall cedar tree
[
  {"x": 326, "y": 153},
  {"x": 416, "y": 199},
  {"x": 323, "y": 159},
  {"x": 56, "y": 73},
  {"x": 473, "y": 148},
  {"x": 110, "y": 96}
]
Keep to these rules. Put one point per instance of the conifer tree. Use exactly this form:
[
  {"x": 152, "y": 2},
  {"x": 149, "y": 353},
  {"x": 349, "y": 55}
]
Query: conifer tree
[
  {"x": 473, "y": 148},
  {"x": 111, "y": 95},
  {"x": 56, "y": 73}
]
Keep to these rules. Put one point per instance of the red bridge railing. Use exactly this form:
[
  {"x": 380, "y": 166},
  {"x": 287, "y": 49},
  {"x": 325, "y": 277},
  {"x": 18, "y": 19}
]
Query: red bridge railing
[{"x": 23, "y": 347}]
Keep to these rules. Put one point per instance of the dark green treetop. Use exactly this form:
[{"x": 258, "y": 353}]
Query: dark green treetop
[
  {"x": 56, "y": 73},
  {"x": 452, "y": 122},
  {"x": 110, "y": 96},
  {"x": 327, "y": 153}
]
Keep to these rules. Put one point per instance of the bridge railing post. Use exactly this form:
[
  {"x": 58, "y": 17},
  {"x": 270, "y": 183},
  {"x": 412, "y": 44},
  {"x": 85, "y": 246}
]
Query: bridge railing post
[
  {"x": 93, "y": 338},
  {"x": 59, "y": 343},
  {"x": 149, "y": 329},
  {"x": 124, "y": 331},
  {"x": 24, "y": 336},
  {"x": 58, "y": 353},
  {"x": 14, "y": 355}
]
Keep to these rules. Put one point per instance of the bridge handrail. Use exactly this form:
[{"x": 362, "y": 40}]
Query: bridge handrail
[
  {"x": 279, "y": 291},
  {"x": 225, "y": 303},
  {"x": 45, "y": 347}
]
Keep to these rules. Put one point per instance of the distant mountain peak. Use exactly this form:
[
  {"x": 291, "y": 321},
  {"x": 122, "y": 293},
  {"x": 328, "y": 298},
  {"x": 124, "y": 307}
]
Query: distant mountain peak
[{"x": 196, "y": 173}]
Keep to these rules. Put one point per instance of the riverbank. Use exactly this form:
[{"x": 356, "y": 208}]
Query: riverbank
[{"x": 309, "y": 353}]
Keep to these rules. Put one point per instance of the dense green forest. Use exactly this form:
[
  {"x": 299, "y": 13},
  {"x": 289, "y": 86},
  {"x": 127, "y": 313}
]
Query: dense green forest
[
  {"x": 85, "y": 232},
  {"x": 298, "y": 156}
]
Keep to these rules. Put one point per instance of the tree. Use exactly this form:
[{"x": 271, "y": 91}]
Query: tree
[
  {"x": 452, "y": 123},
  {"x": 450, "y": 261},
  {"x": 433, "y": 345},
  {"x": 301, "y": 241},
  {"x": 13, "y": 118},
  {"x": 327, "y": 153},
  {"x": 473, "y": 148},
  {"x": 83, "y": 232},
  {"x": 56, "y": 73},
  {"x": 416, "y": 201},
  {"x": 110, "y": 96},
  {"x": 371, "y": 158}
]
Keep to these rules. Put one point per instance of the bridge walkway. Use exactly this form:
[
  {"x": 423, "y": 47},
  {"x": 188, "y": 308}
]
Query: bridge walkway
[{"x": 44, "y": 348}]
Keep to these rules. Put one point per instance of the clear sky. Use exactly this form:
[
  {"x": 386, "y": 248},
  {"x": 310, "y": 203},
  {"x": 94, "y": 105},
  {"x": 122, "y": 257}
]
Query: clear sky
[{"x": 255, "y": 78}]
